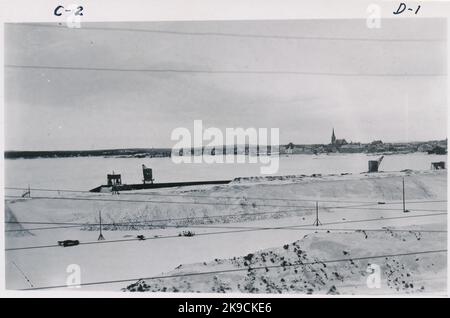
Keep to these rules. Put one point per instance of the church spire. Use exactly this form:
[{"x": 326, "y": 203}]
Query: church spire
[{"x": 333, "y": 137}]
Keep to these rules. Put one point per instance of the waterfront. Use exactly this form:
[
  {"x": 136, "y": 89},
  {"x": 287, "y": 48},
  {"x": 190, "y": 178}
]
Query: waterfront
[{"x": 85, "y": 173}]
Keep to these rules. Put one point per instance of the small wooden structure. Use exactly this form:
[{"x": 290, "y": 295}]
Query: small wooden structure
[
  {"x": 374, "y": 164},
  {"x": 114, "y": 179},
  {"x": 148, "y": 174},
  {"x": 440, "y": 165}
]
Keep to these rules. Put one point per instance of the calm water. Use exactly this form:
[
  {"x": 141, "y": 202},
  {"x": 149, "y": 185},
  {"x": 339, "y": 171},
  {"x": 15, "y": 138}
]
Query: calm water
[{"x": 89, "y": 172}]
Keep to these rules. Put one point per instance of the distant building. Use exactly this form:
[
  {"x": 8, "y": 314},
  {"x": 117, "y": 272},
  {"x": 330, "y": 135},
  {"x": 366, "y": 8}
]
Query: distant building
[
  {"x": 337, "y": 142},
  {"x": 352, "y": 147},
  {"x": 341, "y": 142},
  {"x": 290, "y": 148},
  {"x": 377, "y": 142}
]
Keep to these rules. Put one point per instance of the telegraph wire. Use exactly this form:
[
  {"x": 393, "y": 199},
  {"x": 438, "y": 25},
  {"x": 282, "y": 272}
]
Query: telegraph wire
[
  {"x": 147, "y": 223},
  {"x": 248, "y": 229},
  {"x": 23, "y": 274},
  {"x": 160, "y": 202},
  {"x": 167, "y": 220},
  {"x": 42, "y": 228},
  {"x": 225, "y": 197},
  {"x": 252, "y": 205},
  {"x": 241, "y": 204},
  {"x": 233, "y": 35},
  {"x": 206, "y": 226},
  {"x": 224, "y": 72},
  {"x": 381, "y": 209}
]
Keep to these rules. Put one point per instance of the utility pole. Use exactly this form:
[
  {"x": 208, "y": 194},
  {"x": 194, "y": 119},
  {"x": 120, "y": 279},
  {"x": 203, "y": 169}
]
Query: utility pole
[
  {"x": 100, "y": 237},
  {"x": 404, "y": 204},
  {"x": 317, "y": 221}
]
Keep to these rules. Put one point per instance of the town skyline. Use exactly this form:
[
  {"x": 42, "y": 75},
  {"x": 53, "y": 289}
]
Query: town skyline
[{"x": 292, "y": 141}]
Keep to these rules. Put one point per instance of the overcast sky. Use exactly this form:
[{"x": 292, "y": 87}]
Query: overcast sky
[{"x": 57, "y": 109}]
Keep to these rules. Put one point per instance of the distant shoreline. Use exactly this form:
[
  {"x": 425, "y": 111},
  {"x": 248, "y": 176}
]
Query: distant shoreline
[
  {"x": 431, "y": 147},
  {"x": 132, "y": 153}
]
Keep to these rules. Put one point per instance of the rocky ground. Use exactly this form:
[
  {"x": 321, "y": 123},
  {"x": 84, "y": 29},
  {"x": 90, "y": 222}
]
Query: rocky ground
[{"x": 309, "y": 266}]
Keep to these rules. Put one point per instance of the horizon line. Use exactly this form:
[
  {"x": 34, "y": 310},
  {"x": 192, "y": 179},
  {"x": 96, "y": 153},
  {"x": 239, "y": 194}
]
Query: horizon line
[{"x": 227, "y": 145}]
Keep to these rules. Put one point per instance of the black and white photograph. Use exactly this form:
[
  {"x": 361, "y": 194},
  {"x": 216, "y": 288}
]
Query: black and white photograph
[{"x": 292, "y": 157}]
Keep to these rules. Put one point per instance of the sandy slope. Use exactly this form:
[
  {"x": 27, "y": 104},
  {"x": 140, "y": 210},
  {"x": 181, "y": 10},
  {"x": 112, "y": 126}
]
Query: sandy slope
[
  {"x": 280, "y": 270},
  {"x": 239, "y": 207}
]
